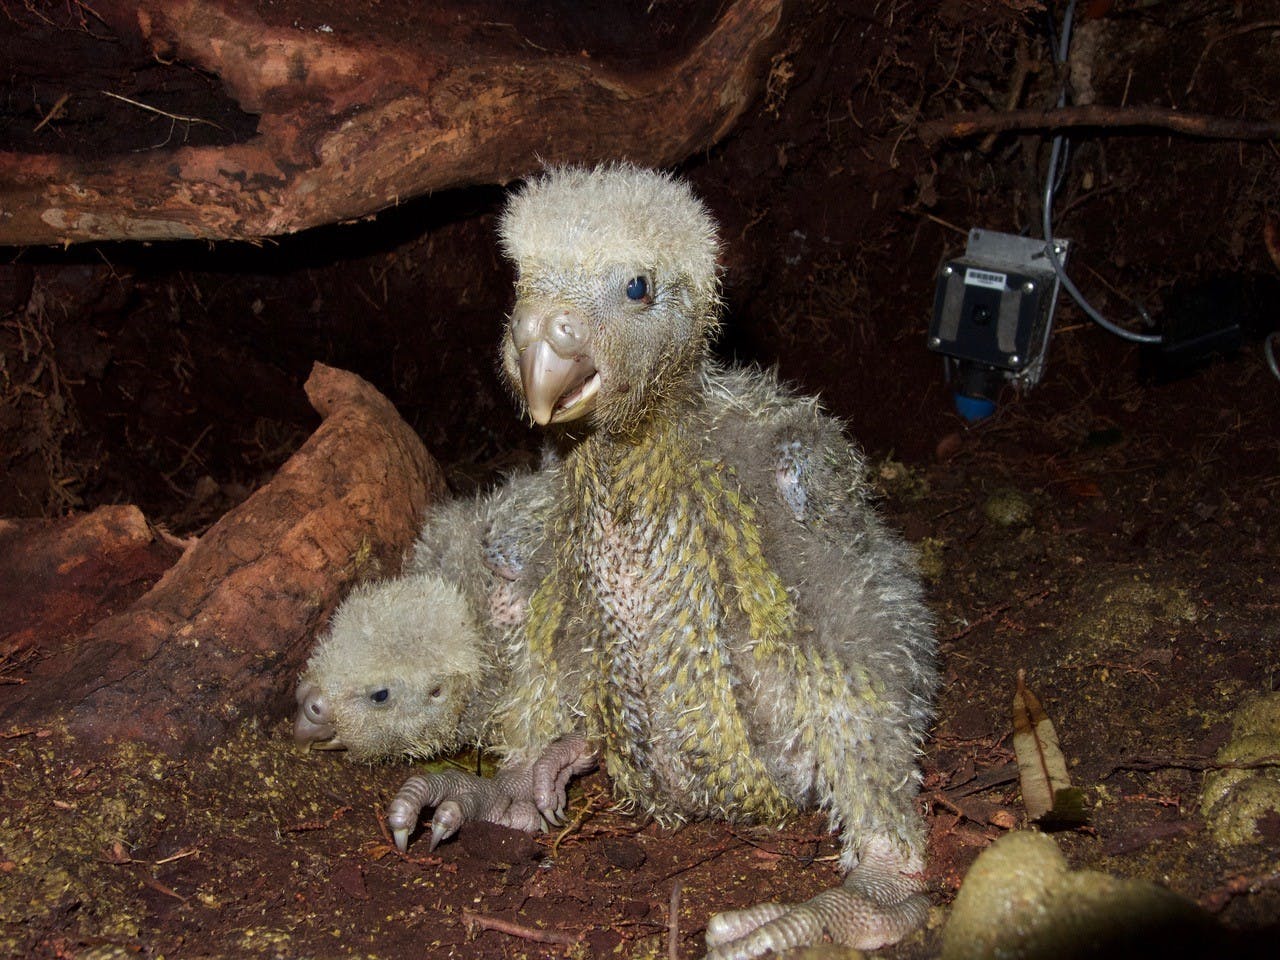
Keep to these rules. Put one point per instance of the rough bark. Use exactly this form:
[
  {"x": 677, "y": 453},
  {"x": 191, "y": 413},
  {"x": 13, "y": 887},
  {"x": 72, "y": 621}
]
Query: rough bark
[
  {"x": 57, "y": 577},
  {"x": 224, "y": 632},
  {"x": 350, "y": 124}
]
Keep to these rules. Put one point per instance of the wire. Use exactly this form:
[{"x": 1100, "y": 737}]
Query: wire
[
  {"x": 1051, "y": 252},
  {"x": 1050, "y": 248},
  {"x": 1269, "y": 351}
]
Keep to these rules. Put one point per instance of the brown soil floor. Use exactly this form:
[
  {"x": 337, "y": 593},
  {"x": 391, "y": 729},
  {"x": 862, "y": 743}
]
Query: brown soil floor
[
  {"x": 1112, "y": 532},
  {"x": 1134, "y": 578}
]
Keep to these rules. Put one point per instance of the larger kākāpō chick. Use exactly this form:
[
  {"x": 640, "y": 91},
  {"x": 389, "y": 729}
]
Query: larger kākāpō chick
[{"x": 753, "y": 639}]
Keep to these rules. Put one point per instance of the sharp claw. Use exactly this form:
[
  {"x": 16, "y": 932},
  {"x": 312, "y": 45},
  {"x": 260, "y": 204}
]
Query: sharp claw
[
  {"x": 402, "y": 839},
  {"x": 438, "y": 832}
]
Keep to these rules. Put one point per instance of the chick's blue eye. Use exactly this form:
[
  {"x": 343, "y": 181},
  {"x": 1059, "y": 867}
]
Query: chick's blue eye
[
  {"x": 380, "y": 696},
  {"x": 637, "y": 288}
]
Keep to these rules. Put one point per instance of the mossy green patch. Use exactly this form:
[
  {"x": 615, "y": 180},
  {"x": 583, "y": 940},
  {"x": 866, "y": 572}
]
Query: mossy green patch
[{"x": 1234, "y": 801}]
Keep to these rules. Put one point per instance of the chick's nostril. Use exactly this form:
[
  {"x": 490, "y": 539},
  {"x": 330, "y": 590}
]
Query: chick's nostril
[
  {"x": 558, "y": 326},
  {"x": 566, "y": 335},
  {"x": 316, "y": 710}
]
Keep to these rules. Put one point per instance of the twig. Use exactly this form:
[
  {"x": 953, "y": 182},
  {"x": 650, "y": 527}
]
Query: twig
[
  {"x": 940, "y": 798},
  {"x": 587, "y": 807},
  {"x": 1215, "y": 900},
  {"x": 480, "y": 921},
  {"x": 155, "y": 884},
  {"x": 1035, "y": 596},
  {"x": 1089, "y": 197},
  {"x": 25, "y": 732},
  {"x": 53, "y": 113},
  {"x": 85, "y": 8},
  {"x": 180, "y": 855},
  {"x": 685, "y": 868},
  {"x": 390, "y": 845},
  {"x": 782, "y": 854},
  {"x": 1227, "y": 35},
  {"x": 186, "y": 458},
  {"x": 1021, "y": 70},
  {"x": 164, "y": 113},
  {"x": 995, "y": 777},
  {"x": 1192, "y": 763},
  {"x": 946, "y": 223},
  {"x": 1207, "y": 126},
  {"x": 673, "y": 923},
  {"x": 307, "y": 825}
]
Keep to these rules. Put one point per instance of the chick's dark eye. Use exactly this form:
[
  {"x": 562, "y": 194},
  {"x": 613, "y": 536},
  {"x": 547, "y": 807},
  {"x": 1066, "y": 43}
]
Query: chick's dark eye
[
  {"x": 637, "y": 288},
  {"x": 380, "y": 696},
  {"x": 435, "y": 692}
]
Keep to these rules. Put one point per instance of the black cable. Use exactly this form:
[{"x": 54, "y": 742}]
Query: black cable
[{"x": 1050, "y": 249}]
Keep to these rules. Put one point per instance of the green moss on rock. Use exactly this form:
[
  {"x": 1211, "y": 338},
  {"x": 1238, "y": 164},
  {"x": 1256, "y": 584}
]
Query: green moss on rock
[{"x": 1235, "y": 801}]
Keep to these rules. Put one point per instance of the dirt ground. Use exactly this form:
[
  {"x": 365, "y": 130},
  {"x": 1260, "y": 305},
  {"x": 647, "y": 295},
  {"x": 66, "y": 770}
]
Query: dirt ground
[{"x": 1113, "y": 532}]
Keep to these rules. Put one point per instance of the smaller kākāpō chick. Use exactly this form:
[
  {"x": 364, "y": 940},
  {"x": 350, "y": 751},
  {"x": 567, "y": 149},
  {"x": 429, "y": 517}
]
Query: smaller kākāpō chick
[
  {"x": 416, "y": 665},
  {"x": 396, "y": 672},
  {"x": 423, "y": 664},
  {"x": 718, "y": 611}
]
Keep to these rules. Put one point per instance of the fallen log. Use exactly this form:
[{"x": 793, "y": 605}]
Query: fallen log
[
  {"x": 357, "y": 116},
  {"x": 222, "y": 635}
]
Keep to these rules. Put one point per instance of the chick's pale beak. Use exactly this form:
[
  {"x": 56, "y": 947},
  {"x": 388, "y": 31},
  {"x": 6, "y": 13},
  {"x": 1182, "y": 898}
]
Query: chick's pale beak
[
  {"x": 312, "y": 725},
  {"x": 315, "y": 736},
  {"x": 556, "y": 388},
  {"x": 557, "y": 373}
]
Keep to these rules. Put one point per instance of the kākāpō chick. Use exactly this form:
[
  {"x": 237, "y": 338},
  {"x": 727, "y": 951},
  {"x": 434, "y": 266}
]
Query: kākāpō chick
[
  {"x": 753, "y": 639},
  {"x": 422, "y": 664},
  {"x": 396, "y": 672}
]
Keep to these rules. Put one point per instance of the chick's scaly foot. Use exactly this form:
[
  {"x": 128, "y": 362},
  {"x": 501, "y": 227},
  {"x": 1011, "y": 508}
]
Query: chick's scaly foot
[
  {"x": 525, "y": 797},
  {"x": 878, "y": 904},
  {"x": 837, "y": 915},
  {"x": 559, "y": 763},
  {"x": 459, "y": 797}
]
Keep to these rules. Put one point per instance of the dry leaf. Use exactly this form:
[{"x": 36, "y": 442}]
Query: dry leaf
[{"x": 1046, "y": 787}]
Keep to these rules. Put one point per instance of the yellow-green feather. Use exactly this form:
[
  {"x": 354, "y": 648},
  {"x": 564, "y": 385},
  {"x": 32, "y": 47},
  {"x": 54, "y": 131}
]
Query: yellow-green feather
[{"x": 717, "y": 567}]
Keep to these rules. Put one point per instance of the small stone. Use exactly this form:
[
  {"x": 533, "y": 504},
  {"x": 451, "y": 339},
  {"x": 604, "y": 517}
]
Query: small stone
[
  {"x": 1004, "y": 819},
  {"x": 349, "y": 877}
]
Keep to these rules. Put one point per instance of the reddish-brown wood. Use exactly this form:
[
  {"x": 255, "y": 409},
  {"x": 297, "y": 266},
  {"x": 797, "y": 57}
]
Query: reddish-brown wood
[
  {"x": 222, "y": 636},
  {"x": 352, "y": 121}
]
